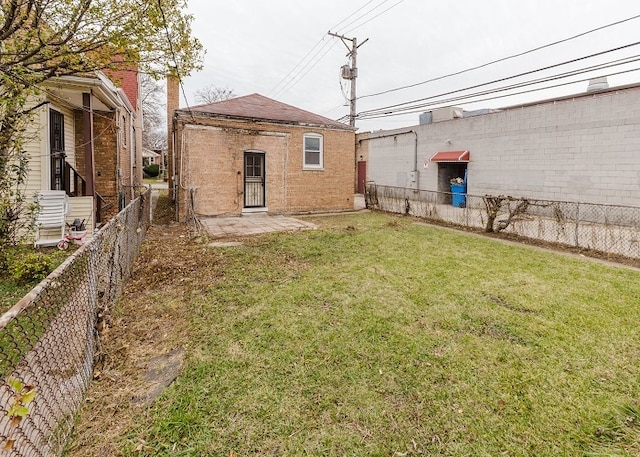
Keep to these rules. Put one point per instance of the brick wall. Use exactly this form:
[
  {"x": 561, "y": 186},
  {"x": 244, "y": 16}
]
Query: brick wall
[
  {"x": 585, "y": 148},
  {"x": 105, "y": 147},
  {"x": 173, "y": 103},
  {"x": 110, "y": 153},
  {"x": 212, "y": 164}
]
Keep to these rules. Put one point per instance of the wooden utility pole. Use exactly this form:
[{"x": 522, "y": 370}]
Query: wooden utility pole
[{"x": 351, "y": 73}]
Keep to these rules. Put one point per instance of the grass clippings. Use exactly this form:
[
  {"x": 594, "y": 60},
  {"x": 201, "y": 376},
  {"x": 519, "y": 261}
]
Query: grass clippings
[{"x": 371, "y": 336}]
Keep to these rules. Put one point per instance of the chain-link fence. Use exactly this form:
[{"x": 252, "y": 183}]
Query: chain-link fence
[
  {"x": 604, "y": 228},
  {"x": 48, "y": 340}
]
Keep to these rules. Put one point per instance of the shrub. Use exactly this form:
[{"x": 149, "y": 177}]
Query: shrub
[
  {"x": 31, "y": 267},
  {"x": 152, "y": 170}
]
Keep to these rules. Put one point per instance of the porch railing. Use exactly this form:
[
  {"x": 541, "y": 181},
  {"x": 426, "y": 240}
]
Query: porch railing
[{"x": 74, "y": 184}]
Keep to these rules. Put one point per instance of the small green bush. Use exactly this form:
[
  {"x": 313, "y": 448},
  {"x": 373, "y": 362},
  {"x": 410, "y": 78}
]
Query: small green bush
[
  {"x": 31, "y": 267},
  {"x": 152, "y": 170},
  {"x": 4, "y": 257}
]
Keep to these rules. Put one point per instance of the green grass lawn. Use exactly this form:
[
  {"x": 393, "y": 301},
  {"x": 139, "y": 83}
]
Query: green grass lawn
[
  {"x": 10, "y": 293},
  {"x": 155, "y": 180},
  {"x": 376, "y": 336},
  {"x": 31, "y": 266}
]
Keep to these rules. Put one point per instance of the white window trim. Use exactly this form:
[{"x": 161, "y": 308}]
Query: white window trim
[{"x": 306, "y": 166}]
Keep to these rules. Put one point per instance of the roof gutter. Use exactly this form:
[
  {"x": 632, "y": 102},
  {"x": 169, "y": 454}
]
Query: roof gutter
[
  {"x": 104, "y": 89},
  {"x": 201, "y": 114}
]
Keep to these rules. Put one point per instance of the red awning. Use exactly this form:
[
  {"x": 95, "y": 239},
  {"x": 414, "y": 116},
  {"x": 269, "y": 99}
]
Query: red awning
[{"x": 450, "y": 156}]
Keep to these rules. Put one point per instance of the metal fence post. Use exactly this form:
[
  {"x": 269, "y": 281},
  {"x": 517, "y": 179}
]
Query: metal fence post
[
  {"x": 546, "y": 220},
  {"x": 48, "y": 339},
  {"x": 577, "y": 234},
  {"x": 466, "y": 212}
]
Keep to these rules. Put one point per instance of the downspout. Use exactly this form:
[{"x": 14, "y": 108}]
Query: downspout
[
  {"x": 118, "y": 189},
  {"x": 180, "y": 174},
  {"x": 416, "y": 174},
  {"x": 174, "y": 162},
  {"x": 129, "y": 114},
  {"x": 132, "y": 156}
]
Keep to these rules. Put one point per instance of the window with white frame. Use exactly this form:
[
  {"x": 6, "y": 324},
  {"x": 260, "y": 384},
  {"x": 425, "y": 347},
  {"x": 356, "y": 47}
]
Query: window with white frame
[{"x": 313, "y": 153}]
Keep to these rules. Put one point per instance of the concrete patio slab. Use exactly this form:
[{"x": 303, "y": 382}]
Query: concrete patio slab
[{"x": 255, "y": 224}]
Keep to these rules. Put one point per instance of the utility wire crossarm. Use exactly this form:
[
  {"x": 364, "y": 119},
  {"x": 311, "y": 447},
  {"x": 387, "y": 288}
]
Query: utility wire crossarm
[{"x": 353, "y": 71}]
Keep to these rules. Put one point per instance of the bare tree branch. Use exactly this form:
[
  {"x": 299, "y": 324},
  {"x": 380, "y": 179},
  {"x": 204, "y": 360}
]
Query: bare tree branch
[{"x": 212, "y": 94}]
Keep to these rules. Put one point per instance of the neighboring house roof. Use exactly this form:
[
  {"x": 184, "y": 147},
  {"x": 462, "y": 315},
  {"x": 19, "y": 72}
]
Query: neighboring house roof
[
  {"x": 149, "y": 154},
  {"x": 261, "y": 108},
  {"x": 70, "y": 88}
]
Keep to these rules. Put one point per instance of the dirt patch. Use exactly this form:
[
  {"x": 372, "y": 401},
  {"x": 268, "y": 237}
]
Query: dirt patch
[
  {"x": 160, "y": 372},
  {"x": 505, "y": 304},
  {"x": 145, "y": 339}
]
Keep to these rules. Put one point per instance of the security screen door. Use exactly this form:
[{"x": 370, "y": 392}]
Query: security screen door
[{"x": 254, "y": 180}]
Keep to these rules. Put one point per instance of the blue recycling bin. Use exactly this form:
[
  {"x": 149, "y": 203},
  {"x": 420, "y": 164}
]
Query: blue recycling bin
[{"x": 458, "y": 192}]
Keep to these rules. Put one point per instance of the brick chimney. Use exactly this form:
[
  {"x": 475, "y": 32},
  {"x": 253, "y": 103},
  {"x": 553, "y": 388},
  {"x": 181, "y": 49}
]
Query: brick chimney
[
  {"x": 173, "y": 103},
  {"x": 127, "y": 80}
]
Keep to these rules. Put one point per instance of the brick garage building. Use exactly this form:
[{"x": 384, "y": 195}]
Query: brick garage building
[{"x": 254, "y": 154}]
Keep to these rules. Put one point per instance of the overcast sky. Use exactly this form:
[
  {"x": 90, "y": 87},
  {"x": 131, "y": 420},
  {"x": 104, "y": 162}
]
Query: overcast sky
[{"x": 280, "y": 49}]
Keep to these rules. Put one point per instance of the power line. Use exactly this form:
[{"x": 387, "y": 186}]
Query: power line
[
  {"x": 510, "y": 95},
  {"x": 175, "y": 59},
  {"x": 295, "y": 66},
  {"x": 438, "y": 78},
  {"x": 361, "y": 16},
  {"x": 420, "y": 108},
  {"x": 351, "y": 72},
  {"x": 298, "y": 73},
  {"x": 467, "y": 97},
  {"x": 335, "y": 27},
  {"x": 567, "y": 74},
  {"x": 300, "y": 62},
  {"x": 308, "y": 67},
  {"x": 377, "y": 15},
  {"x": 398, "y": 105}
]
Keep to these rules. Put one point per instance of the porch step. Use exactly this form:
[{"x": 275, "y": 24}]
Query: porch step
[{"x": 255, "y": 212}]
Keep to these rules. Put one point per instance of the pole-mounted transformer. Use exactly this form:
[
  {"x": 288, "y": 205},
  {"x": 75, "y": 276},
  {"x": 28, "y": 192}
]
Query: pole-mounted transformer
[{"x": 350, "y": 72}]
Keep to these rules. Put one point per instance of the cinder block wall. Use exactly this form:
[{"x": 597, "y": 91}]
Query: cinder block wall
[
  {"x": 212, "y": 164},
  {"x": 585, "y": 148},
  {"x": 392, "y": 158}
]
